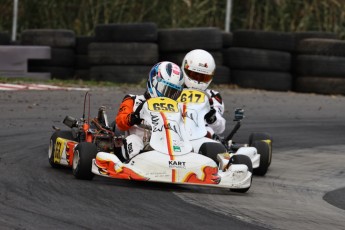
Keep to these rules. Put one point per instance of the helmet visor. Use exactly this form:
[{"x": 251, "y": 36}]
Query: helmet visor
[
  {"x": 166, "y": 89},
  {"x": 199, "y": 77}
]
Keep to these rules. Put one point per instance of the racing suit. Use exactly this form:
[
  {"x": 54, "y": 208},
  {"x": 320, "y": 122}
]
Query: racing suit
[{"x": 136, "y": 137}]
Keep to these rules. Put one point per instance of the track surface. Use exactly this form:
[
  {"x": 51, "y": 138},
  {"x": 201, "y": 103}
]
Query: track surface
[{"x": 307, "y": 169}]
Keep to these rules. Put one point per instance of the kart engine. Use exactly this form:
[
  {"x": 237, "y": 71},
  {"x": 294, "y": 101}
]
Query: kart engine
[{"x": 104, "y": 142}]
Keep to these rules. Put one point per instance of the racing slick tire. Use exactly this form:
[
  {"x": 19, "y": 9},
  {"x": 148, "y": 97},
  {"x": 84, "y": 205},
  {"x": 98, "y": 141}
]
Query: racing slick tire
[
  {"x": 264, "y": 151},
  {"x": 211, "y": 150},
  {"x": 66, "y": 134},
  {"x": 262, "y": 137},
  {"x": 241, "y": 159},
  {"x": 82, "y": 160}
]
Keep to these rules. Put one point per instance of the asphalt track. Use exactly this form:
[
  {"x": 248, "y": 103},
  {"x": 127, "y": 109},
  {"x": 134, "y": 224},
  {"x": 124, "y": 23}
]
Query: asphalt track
[{"x": 302, "y": 190}]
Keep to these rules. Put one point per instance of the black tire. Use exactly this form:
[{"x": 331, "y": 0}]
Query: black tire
[
  {"x": 59, "y": 57},
  {"x": 211, "y": 150},
  {"x": 257, "y": 59},
  {"x": 120, "y": 73},
  {"x": 282, "y": 41},
  {"x": 242, "y": 159},
  {"x": 55, "y": 72},
  {"x": 222, "y": 75},
  {"x": 82, "y": 160},
  {"x": 63, "y": 134},
  {"x": 322, "y": 46},
  {"x": 82, "y": 44},
  {"x": 299, "y": 36},
  {"x": 81, "y": 62},
  {"x": 177, "y": 57},
  {"x": 123, "y": 53},
  {"x": 267, "y": 80},
  {"x": 186, "y": 39},
  {"x": 262, "y": 137},
  {"x": 131, "y": 32},
  {"x": 263, "y": 149},
  {"x": 320, "y": 85},
  {"x": 227, "y": 39},
  {"x": 49, "y": 37},
  {"x": 320, "y": 66}
]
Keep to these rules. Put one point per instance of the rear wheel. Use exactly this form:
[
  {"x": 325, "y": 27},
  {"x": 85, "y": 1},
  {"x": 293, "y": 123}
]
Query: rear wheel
[
  {"x": 52, "y": 149},
  {"x": 266, "y": 137},
  {"x": 82, "y": 160},
  {"x": 242, "y": 159},
  {"x": 212, "y": 149}
]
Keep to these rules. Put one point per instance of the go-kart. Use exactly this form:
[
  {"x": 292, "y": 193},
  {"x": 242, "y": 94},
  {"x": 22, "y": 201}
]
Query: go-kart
[
  {"x": 168, "y": 155},
  {"x": 85, "y": 137},
  {"x": 196, "y": 104}
]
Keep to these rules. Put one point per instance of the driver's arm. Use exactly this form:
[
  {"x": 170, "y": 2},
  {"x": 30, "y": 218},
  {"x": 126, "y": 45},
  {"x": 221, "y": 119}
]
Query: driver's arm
[{"x": 123, "y": 116}]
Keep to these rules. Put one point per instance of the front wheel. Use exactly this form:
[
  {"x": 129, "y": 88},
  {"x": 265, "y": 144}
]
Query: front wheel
[
  {"x": 264, "y": 150},
  {"x": 82, "y": 160},
  {"x": 242, "y": 159},
  {"x": 52, "y": 145},
  {"x": 266, "y": 137}
]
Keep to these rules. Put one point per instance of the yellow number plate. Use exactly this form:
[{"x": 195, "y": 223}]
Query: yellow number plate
[
  {"x": 162, "y": 104},
  {"x": 191, "y": 96}
]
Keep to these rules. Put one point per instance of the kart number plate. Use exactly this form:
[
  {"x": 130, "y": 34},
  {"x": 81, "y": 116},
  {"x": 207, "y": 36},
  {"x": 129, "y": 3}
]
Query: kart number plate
[
  {"x": 163, "y": 105},
  {"x": 191, "y": 96}
]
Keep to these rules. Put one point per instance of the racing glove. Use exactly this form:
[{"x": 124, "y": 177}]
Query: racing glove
[
  {"x": 210, "y": 117},
  {"x": 134, "y": 118}
]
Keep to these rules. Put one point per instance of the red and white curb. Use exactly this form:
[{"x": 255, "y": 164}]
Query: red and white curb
[{"x": 7, "y": 87}]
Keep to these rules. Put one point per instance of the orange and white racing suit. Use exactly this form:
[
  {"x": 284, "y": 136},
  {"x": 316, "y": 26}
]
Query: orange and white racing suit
[{"x": 136, "y": 137}]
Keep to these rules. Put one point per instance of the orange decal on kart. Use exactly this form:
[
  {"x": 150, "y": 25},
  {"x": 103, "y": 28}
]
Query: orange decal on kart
[
  {"x": 210, "y": 176},
  {"x": 109, "y": 168},
  {"x": 70, "y": 152}
]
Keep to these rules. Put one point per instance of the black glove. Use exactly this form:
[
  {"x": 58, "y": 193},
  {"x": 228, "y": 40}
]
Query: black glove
[
  {"x": 134, "y": 119},
  {"x": 210, "y": 117}
]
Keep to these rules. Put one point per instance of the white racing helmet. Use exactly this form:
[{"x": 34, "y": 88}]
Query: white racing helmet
[
  {"x": 198, "y": 68},
  {"x": 165, "y": 80}
]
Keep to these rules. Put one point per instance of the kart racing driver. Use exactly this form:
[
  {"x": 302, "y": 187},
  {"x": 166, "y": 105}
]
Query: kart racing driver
[
  {"x": 165, "y": 80},
  {"x": 198, "y": 68}
]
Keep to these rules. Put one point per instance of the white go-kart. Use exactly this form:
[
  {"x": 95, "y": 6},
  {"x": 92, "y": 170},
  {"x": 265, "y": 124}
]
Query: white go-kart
[
  {"x": 169, "y": 157},
  {"x": 196, "y": 105}
]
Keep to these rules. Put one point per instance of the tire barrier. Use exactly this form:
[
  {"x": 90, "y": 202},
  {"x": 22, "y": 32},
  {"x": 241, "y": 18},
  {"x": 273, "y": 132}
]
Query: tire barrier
[
  {"x": 267, "y": 80},
  {"x": 14, "y": 61},
  {"x": 135, "y": 32},
  {"x": 318, "y": 63},
  {"x": 121, "y": 51},
  {"x": 227, "y": 39},
  {"x": 124, "y": 53},
  {"x": 62, "y": 43},
  {"x": 120, "y": 73},
  {"x": 281, "y": 41},
  {"x": 256, "y": 59},
  {"x": 81, "y": 62},
  {"x": 187, "y": 39},
  {"x": 48, "y": 37},
  {"x": 174, "y": 44},
  {"x": 131, "y": 53}
]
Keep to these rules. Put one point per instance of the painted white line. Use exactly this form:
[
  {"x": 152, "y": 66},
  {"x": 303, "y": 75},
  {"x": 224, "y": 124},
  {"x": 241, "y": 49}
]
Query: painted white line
[{"x": 37, "y": 87}]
